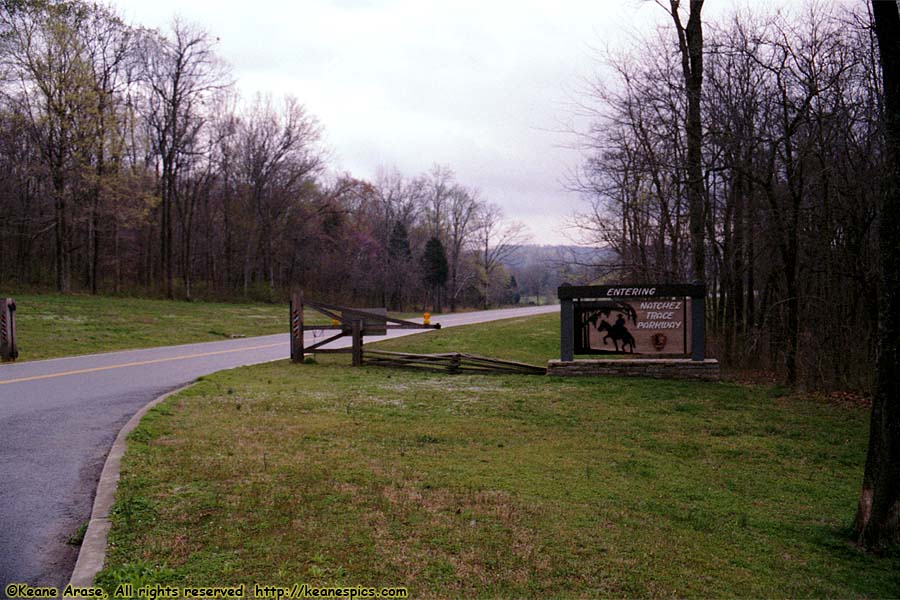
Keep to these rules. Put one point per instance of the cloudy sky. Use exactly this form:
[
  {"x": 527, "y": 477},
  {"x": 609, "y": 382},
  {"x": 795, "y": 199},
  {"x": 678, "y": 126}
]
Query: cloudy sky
[{"x": 484, "y": 87}]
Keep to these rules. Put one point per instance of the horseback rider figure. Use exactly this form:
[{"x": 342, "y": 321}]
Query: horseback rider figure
[{"x": 617, "y": 332}]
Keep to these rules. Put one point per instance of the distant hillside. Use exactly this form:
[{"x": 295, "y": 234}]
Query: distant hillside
[
  {"x": 557, "y": 256},
  {"x": 539, "y": 270}
]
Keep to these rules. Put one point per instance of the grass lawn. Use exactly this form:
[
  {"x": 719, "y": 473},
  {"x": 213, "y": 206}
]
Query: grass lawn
[
  {"x": 494, "y": 486},
  {"x": 50, "y": 326}
]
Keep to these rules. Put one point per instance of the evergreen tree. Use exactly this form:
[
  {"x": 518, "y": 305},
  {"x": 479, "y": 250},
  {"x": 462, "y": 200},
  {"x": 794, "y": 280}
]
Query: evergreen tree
[
  {"x": 399, "y": 257},
  {"x": 398, "y": 245},
  {"x": 435, "y": 269},
  {"x": 512, "y": 291}
]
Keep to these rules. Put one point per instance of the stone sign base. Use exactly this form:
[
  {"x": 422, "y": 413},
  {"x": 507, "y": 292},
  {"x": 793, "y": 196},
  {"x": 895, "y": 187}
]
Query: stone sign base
[{"x": 657, "y": 368}]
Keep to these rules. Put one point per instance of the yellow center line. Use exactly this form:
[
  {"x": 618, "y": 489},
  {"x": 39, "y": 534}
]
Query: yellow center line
[{"x": 138, "y": 363}]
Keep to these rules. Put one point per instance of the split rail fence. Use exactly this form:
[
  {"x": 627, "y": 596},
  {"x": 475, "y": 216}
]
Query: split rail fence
[
  {"x": 452, "y": 362},
  {"x": 354, "y": 322}
]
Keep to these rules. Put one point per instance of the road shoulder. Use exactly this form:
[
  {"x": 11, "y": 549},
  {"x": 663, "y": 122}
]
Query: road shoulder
[{"x": 93, "y": 548}]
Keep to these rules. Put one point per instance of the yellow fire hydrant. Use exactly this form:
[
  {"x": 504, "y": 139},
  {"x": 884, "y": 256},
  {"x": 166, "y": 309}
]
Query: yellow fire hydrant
[{"x": 426, "y": 318}]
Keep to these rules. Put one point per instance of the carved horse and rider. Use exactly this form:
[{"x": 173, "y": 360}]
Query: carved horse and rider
[{"x": 618, "y": 333}]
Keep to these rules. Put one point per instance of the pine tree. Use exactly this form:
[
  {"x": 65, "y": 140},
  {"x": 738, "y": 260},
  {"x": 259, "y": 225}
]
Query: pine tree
[
  {"x": 399, "y": 257},
  {"x": 435, "y": 270},
  {"x": 398, "y": 244}
]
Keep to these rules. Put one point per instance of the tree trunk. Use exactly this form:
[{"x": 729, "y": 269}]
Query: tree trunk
[
  {"x": 98, "y": 197},
  {"x": 165, "y": 231},
  {"x": 453, "y": 288},
  {"x": 170, "y": 251},
  {"x": 876, "y": 523},
  {"x": 95, "y": 244},
  {"x": 61, "y": 234},
  {"x": 230, "y": 279},
  {"x": 187, "y": 254},
  {"x": 117, "y": 260},
  {"x": 690, "y": 42}
]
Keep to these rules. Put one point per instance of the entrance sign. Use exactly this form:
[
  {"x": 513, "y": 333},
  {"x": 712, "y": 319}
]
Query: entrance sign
[
  {"x": 645, "y": 320},
  {"x": 640, "y": 327}
]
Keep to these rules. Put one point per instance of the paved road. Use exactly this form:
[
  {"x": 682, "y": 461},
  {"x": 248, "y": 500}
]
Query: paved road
[{"x": 59, "y": 417}]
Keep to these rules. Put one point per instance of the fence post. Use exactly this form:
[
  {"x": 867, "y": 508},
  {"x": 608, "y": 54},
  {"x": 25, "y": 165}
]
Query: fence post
[
  {"x": 297, "y": 327},
  {"x": 567, "y": 330},
  {"x": 356, "y": 329},
  {"x": 8, "y": 349}
]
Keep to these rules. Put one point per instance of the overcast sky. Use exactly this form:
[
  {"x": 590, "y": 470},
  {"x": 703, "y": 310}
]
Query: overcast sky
[{"x": 484, "y": 87}]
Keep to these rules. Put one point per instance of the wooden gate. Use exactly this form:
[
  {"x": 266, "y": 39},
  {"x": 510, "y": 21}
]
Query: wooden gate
[{"x": 355, "y": 322}]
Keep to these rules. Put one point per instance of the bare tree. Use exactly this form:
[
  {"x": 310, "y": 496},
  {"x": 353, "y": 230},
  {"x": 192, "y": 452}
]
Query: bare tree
[
  {"x": 225, "y": 125},
  {"x": 790, "y": 151},
  {"x": 497, "y": 241},
  {"x": 47, "y": 57},
  {"x": 399, "y": 204},
  {"x": 182, "y": 73},
  {"x": 278, "y": 152},
  {"x": 634, "y": 174},
  {"x": 690, "y": 44},
  {"x": 109, "y": 48},
  {"x": 877, "y": 524},
  {"x": 437, "y": 187},
  {"x": 124, "y": 147},
  {"x": 462, "y": 209}
]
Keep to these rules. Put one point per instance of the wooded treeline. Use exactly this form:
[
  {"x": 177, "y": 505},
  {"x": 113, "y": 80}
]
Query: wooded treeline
[
  {"x": 792, "y": 155},
  {"x": 129, "y": 163}
]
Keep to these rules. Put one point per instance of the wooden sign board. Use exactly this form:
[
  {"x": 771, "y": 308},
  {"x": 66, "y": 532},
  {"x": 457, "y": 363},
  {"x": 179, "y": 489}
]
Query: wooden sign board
[
  {"x": 646, "y": 326},
  {"x": 653, "y": 320},
  {"x": 371, "y": 325}
]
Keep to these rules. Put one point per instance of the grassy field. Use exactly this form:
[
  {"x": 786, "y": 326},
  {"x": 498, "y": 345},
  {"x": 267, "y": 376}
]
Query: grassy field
[
  {"x": 526, "y": 339},
  {"x": 50, "y": 326},
  {"x": 494, "y": 486}
]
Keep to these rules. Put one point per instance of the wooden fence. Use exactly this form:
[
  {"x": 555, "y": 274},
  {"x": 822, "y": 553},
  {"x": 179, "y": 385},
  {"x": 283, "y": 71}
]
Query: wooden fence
[
  {"x": 8, "y": 348},
  {"x": 451, "y": 362},
  {"x": 354, "y": 322}
]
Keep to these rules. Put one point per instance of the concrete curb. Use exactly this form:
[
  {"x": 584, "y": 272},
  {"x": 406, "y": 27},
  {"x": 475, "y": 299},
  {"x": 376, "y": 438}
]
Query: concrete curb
[{"x": 93, "y": 548}]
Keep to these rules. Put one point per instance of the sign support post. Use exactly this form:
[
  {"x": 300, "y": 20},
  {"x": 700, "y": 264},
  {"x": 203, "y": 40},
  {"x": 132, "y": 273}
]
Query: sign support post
[
  {"x": 567, "y": 329},
  {"x": 698, "y": 323}
]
